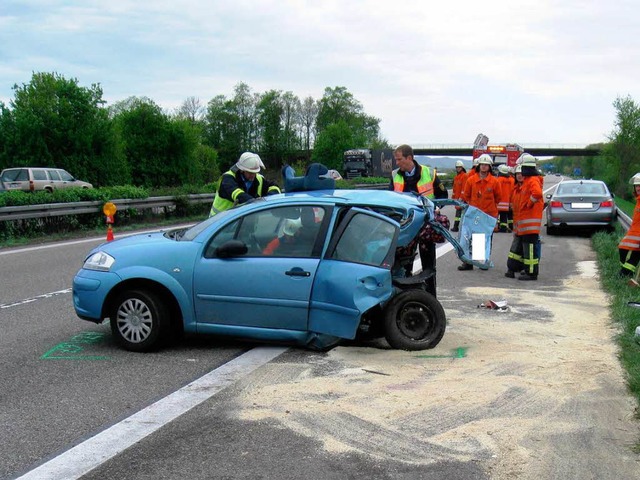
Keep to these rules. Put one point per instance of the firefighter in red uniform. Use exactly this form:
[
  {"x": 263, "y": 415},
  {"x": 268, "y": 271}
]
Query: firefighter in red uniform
[
  {"x": 458, "y": 185},
  {"x": 528, "y": 204},
  {"x": 629, "y": 246},
  {"x": 506, "y": 183},
  {"x": 483, "y": 192}
]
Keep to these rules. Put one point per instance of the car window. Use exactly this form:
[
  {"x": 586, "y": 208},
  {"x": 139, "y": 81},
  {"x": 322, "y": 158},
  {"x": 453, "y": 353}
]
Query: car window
[
  {"x": 39, "y": 174},
  {"x": 283, "y": 231},
  {"x": 15, "y": 175},
  {"x": 66, "y": 176},
  {"x": 365, "y": 240},
  {"x": 53, "y": 175}
]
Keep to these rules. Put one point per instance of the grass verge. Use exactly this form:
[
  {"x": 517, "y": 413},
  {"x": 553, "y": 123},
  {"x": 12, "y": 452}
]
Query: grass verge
[{"x": 628, "y": 318}]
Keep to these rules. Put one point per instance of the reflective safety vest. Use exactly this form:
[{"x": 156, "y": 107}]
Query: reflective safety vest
[
  {"x": 221, "y": 204},
  {"x": 424, "y": 185},
  {"x": 631, "y": 241}
]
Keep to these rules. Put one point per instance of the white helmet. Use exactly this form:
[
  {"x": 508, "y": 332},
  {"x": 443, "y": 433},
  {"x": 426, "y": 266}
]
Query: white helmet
[
  {"x": 635, "y": 180},
  {"x": 485, "y": 159},
  {"x": 504, "y": 169},
  {"x": 527, "y": 160},
  {"x": 518, "y": 169},
  {"x": 459, "y": 163},
  {"x": 249, "y": 162}
]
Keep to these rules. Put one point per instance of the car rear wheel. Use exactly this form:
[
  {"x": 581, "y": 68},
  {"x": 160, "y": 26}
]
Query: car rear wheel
[
  {"x": 139, "y": 320},
  {"x": 551, "y": 230},
  {"x": 414, "y": 320}
]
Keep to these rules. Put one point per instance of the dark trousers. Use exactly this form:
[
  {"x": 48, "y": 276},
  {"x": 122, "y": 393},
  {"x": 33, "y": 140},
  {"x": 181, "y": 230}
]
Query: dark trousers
[
  {"x": 629, "y": 260},
  {"x": 524, "y": 254}
]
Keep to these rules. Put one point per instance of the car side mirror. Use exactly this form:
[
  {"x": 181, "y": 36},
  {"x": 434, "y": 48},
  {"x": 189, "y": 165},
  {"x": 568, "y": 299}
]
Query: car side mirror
[{"x": 232, "y": 248}]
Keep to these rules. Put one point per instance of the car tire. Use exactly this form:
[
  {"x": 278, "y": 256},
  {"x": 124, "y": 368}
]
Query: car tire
[
  {"x": 139, "y": 320},
  {"x": 551, "y": 230},
  {"x": 414, "y": 320}
]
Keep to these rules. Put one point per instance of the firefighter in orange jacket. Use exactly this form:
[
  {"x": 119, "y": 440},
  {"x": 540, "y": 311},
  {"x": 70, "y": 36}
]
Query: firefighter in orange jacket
[
  {"x": 629, "y": 246},
  {"x": 528, "y": 204},
  {"x": 483, "y": 192},
  {"x": 506, "y": 183},
  {"x": 458, "y": 185}
]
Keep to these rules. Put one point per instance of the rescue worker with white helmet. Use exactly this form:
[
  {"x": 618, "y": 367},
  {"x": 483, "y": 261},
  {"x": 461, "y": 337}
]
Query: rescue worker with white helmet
[
  {"x": 629, "y": 246},
  {"x": 458, "y": 186},
  {"x": 528, "y": 205},
  {"x": 483, "y": 192},
  {"x": 242, "y": 183}
]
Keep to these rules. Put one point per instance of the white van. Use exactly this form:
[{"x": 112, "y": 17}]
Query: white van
[{"x": 31, "y": 179}]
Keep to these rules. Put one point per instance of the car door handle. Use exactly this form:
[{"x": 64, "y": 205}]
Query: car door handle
[{"x": 297, "y": 272}]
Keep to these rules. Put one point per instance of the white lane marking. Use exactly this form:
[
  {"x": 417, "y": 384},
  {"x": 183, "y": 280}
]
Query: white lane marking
[
  {"x": 33, "y": 299},
  {"x": 81, "y": 459}
]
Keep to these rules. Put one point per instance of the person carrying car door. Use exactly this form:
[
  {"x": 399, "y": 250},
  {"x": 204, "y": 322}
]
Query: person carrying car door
[
  {"x": 629, "y": 246},
  {"x": 242, "y": 183}
]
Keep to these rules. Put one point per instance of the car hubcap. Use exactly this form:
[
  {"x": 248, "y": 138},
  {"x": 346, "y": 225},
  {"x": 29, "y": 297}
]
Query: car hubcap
[
  {"x": 414, "y": 320},
  {"x": 134, "y": 320}
]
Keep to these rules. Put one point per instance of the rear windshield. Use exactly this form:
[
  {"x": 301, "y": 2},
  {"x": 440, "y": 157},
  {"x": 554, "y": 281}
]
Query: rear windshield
[
  {"x": 581, "y": 189},
  {"x": 15, "y": 175}
]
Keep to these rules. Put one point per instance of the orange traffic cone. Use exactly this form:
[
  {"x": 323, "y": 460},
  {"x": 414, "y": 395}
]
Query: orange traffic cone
[{"x": 109, "y": 233}]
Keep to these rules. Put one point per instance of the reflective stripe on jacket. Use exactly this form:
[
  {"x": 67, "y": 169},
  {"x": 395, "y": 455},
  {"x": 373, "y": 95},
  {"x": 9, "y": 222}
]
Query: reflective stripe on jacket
[
  {"x": 220, "y": 204},
  {"x": 424, "y": 185},
  {"x": 527, "y": 207},
  {"x": 631, "y": 241}
]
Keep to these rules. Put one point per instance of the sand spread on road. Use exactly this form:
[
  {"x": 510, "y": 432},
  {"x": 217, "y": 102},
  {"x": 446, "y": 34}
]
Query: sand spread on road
[{"x": 509, "y": 389}]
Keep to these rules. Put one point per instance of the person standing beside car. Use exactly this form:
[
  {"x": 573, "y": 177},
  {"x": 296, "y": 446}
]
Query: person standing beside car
[
  {"x": 242, "y": 183},
  {"x": 458, "y": 185},
  {"x": 629, "y": 246},
  {"x": 528, "y": 205},
  {"x": 410, "y": 176}
]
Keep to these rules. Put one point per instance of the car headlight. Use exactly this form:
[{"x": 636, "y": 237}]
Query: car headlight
[{"x": 99, "y": 261}]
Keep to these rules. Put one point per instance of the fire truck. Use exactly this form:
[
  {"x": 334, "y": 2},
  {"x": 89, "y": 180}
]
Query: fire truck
[{"x": 507, "y": 153}]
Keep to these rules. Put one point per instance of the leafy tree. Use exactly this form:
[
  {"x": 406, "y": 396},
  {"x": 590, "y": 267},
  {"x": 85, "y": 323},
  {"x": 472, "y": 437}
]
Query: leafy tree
[
  {"x": 270, "y": 111},
  {"x": 331, "y": 144},
  {"x": 160, "y": 151},
  {"x": 306, "y": 120},
  {"x": 625, "y": 142},
  {"x": 54, "y": 122}
]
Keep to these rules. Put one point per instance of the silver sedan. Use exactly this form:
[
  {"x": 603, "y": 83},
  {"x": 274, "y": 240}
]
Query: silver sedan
[{"x": 580, "y": 204}]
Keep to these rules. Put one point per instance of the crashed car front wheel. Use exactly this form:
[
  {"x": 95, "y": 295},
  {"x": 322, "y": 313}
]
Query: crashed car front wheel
[
  {"x": 139, "y": 320},
  {"x": 414, "y": 320}
]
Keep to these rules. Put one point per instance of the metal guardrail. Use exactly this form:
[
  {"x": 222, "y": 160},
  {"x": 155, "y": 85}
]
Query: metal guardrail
[
  {"x": 624, "y": 219},
  {"x": 76, "y": 208}
]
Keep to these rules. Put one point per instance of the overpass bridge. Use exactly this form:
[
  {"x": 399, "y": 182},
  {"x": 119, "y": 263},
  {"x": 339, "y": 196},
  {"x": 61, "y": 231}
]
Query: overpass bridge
[{"x": 537, "y": 150}]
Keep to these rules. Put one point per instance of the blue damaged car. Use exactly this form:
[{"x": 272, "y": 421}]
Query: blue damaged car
[{"x": 308, "y": 268}]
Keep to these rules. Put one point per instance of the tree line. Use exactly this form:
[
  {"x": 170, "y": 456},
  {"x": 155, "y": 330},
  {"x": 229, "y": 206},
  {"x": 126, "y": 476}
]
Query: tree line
[{"x": 53, "y": 121}]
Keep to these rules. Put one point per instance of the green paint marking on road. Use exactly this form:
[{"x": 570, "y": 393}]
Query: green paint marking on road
[
  {"x": 459, "y": 352},
  {"x": 72, "y": 350}
]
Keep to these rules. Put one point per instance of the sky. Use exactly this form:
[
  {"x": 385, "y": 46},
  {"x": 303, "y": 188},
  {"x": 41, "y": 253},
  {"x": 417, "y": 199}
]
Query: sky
[{"x": 540, "y": 72}]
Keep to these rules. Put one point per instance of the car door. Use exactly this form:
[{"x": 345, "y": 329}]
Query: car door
[
  {"x": 355, "y": 274},
  {"x": 259, "y": 289}
]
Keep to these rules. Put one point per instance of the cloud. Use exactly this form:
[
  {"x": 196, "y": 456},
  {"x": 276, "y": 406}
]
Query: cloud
[{"x": 544, "y": 71}]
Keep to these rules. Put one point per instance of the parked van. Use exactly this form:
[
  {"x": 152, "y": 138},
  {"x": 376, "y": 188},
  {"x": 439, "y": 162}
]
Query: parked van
[{"x": 30, "y": 179}]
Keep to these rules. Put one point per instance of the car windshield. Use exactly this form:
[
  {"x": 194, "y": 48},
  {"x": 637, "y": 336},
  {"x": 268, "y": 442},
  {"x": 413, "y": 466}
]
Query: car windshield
[
  {"x": 581, "y": 189},
  {"x": 194, "y": 231}
]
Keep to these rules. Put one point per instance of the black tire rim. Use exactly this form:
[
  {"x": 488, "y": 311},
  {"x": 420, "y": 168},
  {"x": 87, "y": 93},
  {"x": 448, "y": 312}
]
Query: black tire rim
[
  {"x": 415, "y": 320},
  {"x": 134, "y": 320}
]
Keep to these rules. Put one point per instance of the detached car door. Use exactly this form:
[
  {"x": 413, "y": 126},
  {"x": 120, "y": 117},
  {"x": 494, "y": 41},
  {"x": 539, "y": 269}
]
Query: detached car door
[
  {"x": 355, "y": 273},
  {"x": 268, "y": 287}
]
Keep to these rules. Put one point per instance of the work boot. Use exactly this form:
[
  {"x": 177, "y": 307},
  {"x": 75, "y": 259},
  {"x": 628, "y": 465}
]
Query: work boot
[
  {"x": 510, "y": 274},
  {"x": 526, "y": 276},
  {"x": 465, "y": 266}
]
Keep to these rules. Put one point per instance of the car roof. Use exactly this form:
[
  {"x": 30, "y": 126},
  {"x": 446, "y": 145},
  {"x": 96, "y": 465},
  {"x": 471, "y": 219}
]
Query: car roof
[{"x": 363, "y": 197}]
